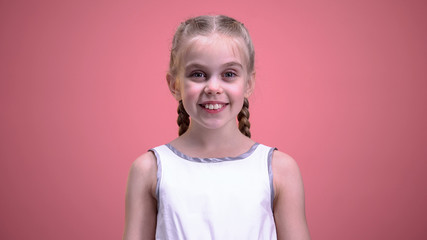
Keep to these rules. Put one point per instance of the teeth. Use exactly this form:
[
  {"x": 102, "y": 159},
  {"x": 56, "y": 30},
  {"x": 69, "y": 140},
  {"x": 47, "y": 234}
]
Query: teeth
[{"x": 213, "y": 106}]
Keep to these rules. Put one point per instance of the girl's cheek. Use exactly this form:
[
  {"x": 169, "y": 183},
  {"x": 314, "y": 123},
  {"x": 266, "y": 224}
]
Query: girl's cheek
[
  {"x": 193, "y": 89},
  {"x": 237, "y": 89},
  {"x": 192, "y": 86}
]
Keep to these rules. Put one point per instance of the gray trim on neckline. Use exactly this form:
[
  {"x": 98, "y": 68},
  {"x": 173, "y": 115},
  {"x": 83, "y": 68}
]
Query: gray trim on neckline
[
  {"x": 270, "y": 174},
  {"x": 158, "y": 174},
  {"x": 212, "y": 160}
]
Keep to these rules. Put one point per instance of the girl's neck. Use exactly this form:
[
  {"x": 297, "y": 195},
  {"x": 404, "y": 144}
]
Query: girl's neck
[{"x": 202, "y": 142}]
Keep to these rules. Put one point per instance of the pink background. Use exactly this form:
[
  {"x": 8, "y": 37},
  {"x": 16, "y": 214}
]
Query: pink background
[{"x": 341, "y": 86}]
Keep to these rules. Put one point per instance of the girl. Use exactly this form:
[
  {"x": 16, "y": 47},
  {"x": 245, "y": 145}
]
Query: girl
[{"x": 214, "y": 181}]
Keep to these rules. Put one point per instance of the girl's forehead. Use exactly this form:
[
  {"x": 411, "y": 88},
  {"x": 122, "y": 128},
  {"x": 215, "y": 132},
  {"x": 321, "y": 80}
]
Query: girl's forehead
[{"x": 215, "y": 44}]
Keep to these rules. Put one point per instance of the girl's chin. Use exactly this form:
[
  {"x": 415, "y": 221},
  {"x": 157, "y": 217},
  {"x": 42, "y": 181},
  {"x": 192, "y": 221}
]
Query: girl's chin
[{"x": 212, "y": 124}]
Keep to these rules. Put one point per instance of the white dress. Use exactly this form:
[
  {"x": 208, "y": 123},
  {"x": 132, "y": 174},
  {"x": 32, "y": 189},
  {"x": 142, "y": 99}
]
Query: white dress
[{"x": 215, "y": 198}]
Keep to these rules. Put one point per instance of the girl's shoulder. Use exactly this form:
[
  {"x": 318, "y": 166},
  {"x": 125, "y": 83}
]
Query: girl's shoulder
[
  {"x": 284, "y": 162},
  {"x": 145, "y": 163},
  {"x": 289, "y": 203},
  {"x": 143, "y": 172},
  {"x": 285, "y": 171},
  {"x": 140, "y": 198}
]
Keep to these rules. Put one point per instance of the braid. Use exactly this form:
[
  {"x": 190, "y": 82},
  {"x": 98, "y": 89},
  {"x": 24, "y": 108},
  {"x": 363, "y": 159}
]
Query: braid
[
  {"x": 183, "y": 119},
  {"x": 243, "y": 118}
]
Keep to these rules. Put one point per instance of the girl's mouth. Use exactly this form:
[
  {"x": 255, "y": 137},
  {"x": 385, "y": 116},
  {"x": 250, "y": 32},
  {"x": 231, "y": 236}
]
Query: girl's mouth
[{"x": 213, "y": 107}]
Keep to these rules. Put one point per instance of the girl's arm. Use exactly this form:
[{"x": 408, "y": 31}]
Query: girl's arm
[
  {"x": 141, "y": 204},
  {"x": 288, "y": 206}
]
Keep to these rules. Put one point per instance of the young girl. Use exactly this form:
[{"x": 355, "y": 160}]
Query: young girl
[{"x": 214, "y": 181}]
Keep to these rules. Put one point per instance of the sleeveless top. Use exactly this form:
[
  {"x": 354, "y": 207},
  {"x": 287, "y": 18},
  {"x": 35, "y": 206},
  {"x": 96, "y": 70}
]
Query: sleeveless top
[{"x": 215, "y": 198}]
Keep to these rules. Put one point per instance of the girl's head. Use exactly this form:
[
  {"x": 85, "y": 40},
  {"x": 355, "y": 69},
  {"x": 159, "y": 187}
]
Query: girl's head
[
  {"x": 206, "y": 26},
  {"x": 208, "y": 33}
]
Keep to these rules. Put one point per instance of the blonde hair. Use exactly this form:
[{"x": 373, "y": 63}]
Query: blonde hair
[{"x": 205, "y": 26}]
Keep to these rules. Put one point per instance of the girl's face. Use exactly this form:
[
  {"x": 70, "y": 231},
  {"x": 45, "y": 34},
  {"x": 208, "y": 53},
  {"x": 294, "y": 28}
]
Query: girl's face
[{"x": 212, "y": 80}]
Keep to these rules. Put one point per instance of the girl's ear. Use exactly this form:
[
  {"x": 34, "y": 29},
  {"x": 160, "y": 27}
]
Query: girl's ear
[
  {"x": 173, "y": 86},
  {"x": 250, "y": 86}
]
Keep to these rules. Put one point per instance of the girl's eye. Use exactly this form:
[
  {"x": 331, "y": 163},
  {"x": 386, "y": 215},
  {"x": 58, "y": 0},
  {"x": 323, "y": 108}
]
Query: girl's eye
[
  {"x": 197, "y": 75},
  {"x": 229, "y": 74}
]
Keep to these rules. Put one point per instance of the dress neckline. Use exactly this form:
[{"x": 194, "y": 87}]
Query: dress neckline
[{"x": 212, "y": 160}]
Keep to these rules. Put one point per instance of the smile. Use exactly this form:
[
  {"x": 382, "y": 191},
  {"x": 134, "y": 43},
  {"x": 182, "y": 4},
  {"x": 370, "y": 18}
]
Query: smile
[{"x": 213, "y": 106}]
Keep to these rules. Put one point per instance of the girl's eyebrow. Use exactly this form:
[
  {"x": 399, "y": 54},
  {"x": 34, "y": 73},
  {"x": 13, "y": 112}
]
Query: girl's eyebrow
[
  {"x": 229, "y": 64},
  {"x": 194, "y": 65}
]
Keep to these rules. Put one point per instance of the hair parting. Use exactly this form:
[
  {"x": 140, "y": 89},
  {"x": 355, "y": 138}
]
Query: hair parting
[{"x": 204, "y": 26}]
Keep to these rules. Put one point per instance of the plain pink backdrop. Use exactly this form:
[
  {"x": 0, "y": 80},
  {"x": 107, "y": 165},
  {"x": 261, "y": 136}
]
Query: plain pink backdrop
[{"x": 341, "y": 86}]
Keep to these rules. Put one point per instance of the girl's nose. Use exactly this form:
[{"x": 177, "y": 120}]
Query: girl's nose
[{"x": 213, "y": 86}]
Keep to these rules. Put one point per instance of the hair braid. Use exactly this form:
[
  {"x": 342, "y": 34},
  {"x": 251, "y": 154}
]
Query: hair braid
[
  {"x": 183, "y": 119},
  {"x": 243, "y": 117}
]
